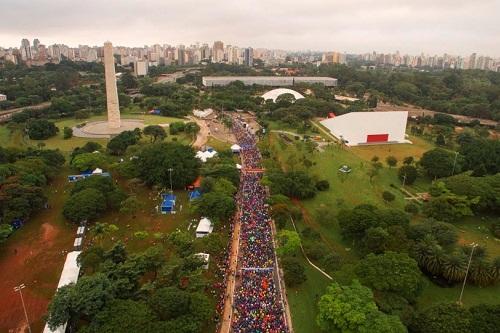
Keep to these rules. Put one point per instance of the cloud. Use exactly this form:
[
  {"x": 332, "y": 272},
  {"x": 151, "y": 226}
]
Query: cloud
[{"x": 456, "y": 27}]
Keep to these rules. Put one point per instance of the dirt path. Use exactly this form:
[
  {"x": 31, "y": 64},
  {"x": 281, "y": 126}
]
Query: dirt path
[
  {"x": 202, "y": 137},
  {"x": 34, "y": 255}
]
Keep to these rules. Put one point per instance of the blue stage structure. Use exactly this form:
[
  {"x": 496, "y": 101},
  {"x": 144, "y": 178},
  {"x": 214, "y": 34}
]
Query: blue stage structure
[
  {"x": 168, "y": 203},
  {"x": 86, "y": 174}
]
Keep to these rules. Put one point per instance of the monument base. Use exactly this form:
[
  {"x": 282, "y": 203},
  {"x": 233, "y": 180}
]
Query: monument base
[{"x": 100, "y": 129}]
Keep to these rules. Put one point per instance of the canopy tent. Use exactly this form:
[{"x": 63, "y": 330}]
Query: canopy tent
[
  {"x": 205, "y": 227},
  {"x": 235, "y": 148},
  {"x": 238, "y": 166},
  {"x": 194, "y": 195},
  {"x": 69, "y": 275},
  {"x": 205, "y": 257},
  {"x": 205, "y": 155},
  {"x": 168, "y": 203},
  {"x": 97, "y": 171},
  {"x": 87, "y": 174}
]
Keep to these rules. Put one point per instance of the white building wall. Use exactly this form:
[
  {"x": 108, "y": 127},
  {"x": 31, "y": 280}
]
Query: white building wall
[{"x": 356, "y": 126}]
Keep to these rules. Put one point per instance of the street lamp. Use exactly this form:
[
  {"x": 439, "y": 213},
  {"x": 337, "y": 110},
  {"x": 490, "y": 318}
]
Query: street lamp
[
  {"x": 474, "y": 245},
  {"x": 454, "y": 163},
  {"x": 170, "y": 172},
  {"x": 19, "y": 289}
]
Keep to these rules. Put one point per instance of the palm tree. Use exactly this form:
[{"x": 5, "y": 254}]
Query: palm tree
[
  {"x": 480, "y": 272},
  {"x": 495, "y": 269},
  {"x": 435, "y": 259},
  {"x": 454, "y": 267}
]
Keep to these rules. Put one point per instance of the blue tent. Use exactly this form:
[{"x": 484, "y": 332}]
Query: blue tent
[
  {"x": 17, "y": 223},
  {"x": 194, "y": 195},
  {"x": 168, "y": 203}
]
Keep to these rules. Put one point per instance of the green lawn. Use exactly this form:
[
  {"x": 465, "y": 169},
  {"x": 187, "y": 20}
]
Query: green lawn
[{"x": 303, "y": 300}]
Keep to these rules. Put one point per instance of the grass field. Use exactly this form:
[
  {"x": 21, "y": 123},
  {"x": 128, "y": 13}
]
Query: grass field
[
  {"x": 355, "y": 188},
  {"x": 303, "y": 300},
  {"x": 15, "y": 138}
]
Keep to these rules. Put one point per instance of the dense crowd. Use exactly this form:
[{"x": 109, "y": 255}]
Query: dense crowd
[{"x": 258, "y": 307}]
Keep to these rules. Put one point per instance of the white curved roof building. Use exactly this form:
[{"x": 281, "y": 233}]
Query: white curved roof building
[{"x": 275, "y": 93}]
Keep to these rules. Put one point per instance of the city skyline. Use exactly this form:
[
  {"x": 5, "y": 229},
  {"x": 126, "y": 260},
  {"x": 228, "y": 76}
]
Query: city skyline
[{"x": 356, "y": 27}]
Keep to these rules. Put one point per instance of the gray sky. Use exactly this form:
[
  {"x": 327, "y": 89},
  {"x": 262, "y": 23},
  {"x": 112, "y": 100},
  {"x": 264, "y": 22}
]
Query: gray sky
[{"x": 431, "y": 26}]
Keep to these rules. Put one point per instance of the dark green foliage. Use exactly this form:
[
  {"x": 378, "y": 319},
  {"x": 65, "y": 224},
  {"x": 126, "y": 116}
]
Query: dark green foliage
[
  {"x": 405, "y": 278},
  {"x": 294, "y": 272},
  {"x": 118, "y": 144},
  {"x": 87, "y": 204},
  {"x": 439, "y": 163},
  {"x": 442, "y": 318},
  {"x": 407, "y": 174},
  {"x": 485, "y": 318},
  {"x": 295, "y": 184},
  {"x": 356, "y": 221},
  {"x": 486, "y": 188},
  {"x": 41, "y": 129},
  {"x": 155, "y": 161},
  {"x": 68, "y": 133},
  {"x": 155, "y": 132},
  {"x": 322, "y": 185},
  {"x": 480, "y": 153},
  {"x": 411, "y": 208},
  {"x": 388, "y": 196},
  {"x": 215, "y": 205},
  {"x": 391, "y": 161}
]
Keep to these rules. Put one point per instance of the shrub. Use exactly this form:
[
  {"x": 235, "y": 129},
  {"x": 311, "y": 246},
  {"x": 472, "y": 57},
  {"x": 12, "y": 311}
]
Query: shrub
[
  {"x": 411, "y": 208},
  {"x": 82, "y": 114},
  {"x": 68, "y": 133},
  {"x": 388, "y": 196},
  {"x": 294, "y": 272},
  {"x": 322, "y": 185},
  {"x": 408, "y": 174}
]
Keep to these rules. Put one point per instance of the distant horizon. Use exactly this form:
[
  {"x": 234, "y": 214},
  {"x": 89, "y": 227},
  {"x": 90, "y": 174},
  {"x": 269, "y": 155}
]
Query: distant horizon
[
  {"x": 245, "y": 46},
  {"x": 358, "y": 26}
]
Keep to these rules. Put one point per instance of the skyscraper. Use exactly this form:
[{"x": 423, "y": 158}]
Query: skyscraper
[
  {"x": 218, "y": 51},
  {"x": 248, "y": 57},
  {"x": 25, "y": 49}
]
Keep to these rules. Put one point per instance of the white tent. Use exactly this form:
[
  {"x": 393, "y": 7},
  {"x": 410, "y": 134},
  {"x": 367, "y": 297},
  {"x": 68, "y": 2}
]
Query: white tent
[
  {"x": 235, "y": 148},
  {"x": 205, "y": 155},
  {"x": 205, "y": 227},
  {"x": 203, "y": 113},
  {"x": 97, "y": 171},
  {"x": 205, "y": 257},
  {"x": 69, "y": 275},
  {"x": 275, "y": 93},
  {"x": 361, "y": 128},
  {"x": 238, "y": 166}
]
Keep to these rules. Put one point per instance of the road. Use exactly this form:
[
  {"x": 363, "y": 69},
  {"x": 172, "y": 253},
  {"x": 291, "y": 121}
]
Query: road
[{"x": 7, "y": 114}]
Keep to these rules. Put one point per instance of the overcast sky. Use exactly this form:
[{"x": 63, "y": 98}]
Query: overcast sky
[{"x": 353, "y": 26}]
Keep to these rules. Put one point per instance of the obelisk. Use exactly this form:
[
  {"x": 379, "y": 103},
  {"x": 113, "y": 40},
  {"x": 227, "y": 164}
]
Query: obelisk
[{"x": 111, "y": 90}]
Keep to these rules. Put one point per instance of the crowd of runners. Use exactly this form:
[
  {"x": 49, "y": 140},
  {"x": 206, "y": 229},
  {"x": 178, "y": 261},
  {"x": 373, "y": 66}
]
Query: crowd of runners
[{"x": 257, "y": 307}]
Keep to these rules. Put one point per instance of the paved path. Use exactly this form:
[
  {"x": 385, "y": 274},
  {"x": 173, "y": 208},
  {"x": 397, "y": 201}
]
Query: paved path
[
  {"x": 231, "y": 281},
  {"x": 202, "y": 136},
  {"x": 7, "y": 114}
]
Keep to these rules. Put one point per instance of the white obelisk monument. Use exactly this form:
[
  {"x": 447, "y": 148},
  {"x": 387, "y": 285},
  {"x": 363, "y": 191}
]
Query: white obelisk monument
[{"x": 111, "y": 90}]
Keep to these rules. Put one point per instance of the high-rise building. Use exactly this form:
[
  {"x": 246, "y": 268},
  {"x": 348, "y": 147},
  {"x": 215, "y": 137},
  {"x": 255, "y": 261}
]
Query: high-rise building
[
  {"x": 472, "y": 61},
  {"x": 218, "y": 51},
  {"x": 25, "y": 49},
  {"x": 248, "y": 57},
  {"x": 141, "y": 67}
]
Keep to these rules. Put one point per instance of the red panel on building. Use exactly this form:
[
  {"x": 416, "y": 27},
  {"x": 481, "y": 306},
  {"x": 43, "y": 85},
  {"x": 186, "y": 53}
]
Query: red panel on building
[{"x": 377, "y": 138}]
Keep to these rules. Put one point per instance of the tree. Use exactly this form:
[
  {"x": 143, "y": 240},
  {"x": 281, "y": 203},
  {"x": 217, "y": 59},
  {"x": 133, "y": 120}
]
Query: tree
[
  {"x": 485, "y": 318},
  {"x": 440, "y": 140},
  {"x": 454, "y": 267},
  {"x": 391, "y": 161},
  {"x": 118, "y": 145},
  {"x": 68, "y": 133},
  {"x": 128, "y": 81},
  {"x": 87, "y": 204},
  {"x": 122, "y": 316},
  {"x": 155, "y": 161},
  {"x": 405, "y": 278},
  {"x": 442, "y": 318},
  {"x": 372, "y": 101},
  {"x": 155, "y": 132},
  {"x": 86, "y": 298},
  {"x": 170, "y": 303},
  {"x": 130, "y": 205},
  {"x": 374, "y": 170},
  {"x": 447, "y": 206},
  {"x": 192, "y": 129},
  {"x": 388, "y": 196},
  {"x": 5, "y": 231},
  {"x": 294, "y": 272},
  {"x": 289, "y": 243},
  {"x": 215, "y": 205},
  {"x": 439, "y": 163},
  {"x": 352, "y": 309},
  {"x": 407, "y": 174},
  {"x": 376, "y": 239},
  {"x": 408, "y": 160},
  {"x": 41, "y": 129},
  {"x": 322, "y": 185},
  {"x": 353, "y": 223},
  {"x": 89, "y": 161}
]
